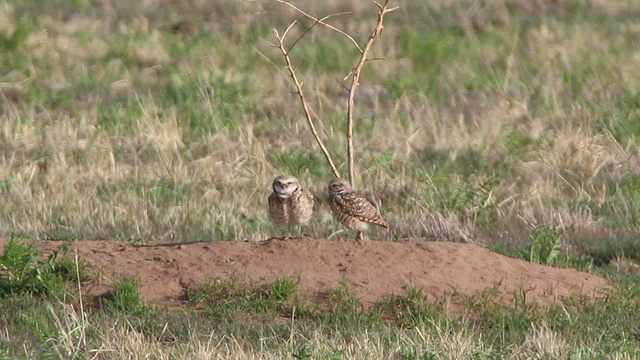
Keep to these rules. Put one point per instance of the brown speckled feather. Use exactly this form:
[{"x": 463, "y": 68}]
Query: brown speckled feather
[
  {"x": 352, "y": 209},
  {"x": 278, "y": 210}
]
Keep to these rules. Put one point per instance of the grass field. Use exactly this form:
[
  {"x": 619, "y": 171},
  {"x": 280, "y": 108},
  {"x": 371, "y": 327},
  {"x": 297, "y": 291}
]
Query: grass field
[{"x": 505, "y": 123}]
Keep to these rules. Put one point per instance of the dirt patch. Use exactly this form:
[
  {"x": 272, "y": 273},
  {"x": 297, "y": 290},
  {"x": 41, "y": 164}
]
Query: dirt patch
[{"x": 373, "y": 269}]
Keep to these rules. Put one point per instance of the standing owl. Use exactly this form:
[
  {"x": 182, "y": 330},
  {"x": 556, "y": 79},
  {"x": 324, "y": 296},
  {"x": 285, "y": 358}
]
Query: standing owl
[
  {"x": 354, "y": 210},
  {"x": 289, "y": 204}
]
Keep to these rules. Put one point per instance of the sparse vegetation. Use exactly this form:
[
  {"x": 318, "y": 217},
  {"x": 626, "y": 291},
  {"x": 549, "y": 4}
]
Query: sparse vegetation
[
  {"x": 494, "y": 122},
  {"x": 545, "y": 245},
  {"x": 22, "y": 272},
  {"x": 233, "y": 319},
  {"x": 125, "y": 298}
]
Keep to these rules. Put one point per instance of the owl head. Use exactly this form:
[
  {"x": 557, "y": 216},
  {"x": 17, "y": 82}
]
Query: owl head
[
  {"x": 285, "y": 185},
  {"x": 338, "y": 186}
]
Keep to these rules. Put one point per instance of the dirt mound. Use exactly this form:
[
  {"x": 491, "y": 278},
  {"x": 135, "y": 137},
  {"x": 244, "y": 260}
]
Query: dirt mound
[{"x": 373, "y": 269}]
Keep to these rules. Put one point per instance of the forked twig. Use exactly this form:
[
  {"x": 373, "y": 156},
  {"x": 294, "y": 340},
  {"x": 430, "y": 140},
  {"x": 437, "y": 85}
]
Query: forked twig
[
  {"x": 377, "y": 31},
  {"x": 317, "y": 21},
  {"x": 321, "y": 21},
  {"x": 305, "y": 106}
]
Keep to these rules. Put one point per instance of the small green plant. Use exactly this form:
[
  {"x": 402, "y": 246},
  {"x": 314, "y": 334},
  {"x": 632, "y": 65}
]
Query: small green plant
[
  {"x": 282, "y": 297},
  {"x": 410, "y": 309},
  {"x": 18, "y": 265},
  {"x": 545, "y": 245},
  {"x": 22, "y": 272},
  {"x": 125, "y": 298},
  {"x": 282, "y": 289},
  {"x": 302, "y": 353}
]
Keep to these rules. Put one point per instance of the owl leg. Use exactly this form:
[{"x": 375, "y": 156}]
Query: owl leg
[
  {"x": 360, "y": 236},
  {"x": 302, "y": 232},
  {"x": 299, "y": 231}
]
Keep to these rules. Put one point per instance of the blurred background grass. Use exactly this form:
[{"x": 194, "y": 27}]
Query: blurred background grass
[{"x": 167, "y": 120}]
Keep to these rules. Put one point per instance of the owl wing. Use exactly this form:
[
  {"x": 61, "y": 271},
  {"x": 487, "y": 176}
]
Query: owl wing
[
  {"x": 307, "y": 196},
  {"x": 361, "y": 208},
  {"x": 301, "y": 203},
  {"x": 371, "y": 198}
]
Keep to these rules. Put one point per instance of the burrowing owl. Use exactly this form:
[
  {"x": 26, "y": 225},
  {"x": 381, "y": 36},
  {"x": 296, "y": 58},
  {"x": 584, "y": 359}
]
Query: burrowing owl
[
  {"x": 289, "y": 204},
  {"x": 354, "y": 210}
]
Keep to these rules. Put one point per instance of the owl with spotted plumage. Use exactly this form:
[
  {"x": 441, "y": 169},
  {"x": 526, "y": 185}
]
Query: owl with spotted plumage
[
  {"x": 354, "y": 210},
  {"x": 289, "y": 204}
]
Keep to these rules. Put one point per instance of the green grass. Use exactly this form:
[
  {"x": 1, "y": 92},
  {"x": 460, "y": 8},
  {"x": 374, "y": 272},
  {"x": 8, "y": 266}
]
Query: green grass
[
  {"x": 22, "y": 272},
  {"x": 125, "y": 298},
  {"x": 499, "y": 123}
]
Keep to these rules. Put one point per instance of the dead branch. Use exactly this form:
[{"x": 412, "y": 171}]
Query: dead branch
[
  {"x": 377, "y": 31},
  {"x": 321, "y": 21},
  {"x": 317, "y": 21},
  {"x": 305, "y": 106}
]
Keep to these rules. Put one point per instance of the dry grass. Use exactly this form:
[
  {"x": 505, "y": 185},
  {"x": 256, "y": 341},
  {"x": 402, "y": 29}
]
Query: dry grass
[
  {"x": 482, "y": 117},
  {"x": 112, "y": 339}
]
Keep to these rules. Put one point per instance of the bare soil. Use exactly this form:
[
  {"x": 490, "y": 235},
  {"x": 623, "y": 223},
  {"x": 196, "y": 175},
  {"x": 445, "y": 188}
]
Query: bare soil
[{"x": 373, "y": 269}]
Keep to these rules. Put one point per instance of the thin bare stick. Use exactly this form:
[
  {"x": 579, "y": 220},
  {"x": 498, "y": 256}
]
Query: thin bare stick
[
  {"x": 318, "y": 21},
  {"x": 305, "y": 106},
  {"x": 377, "y": 31},
  {"x": 321, "y": 21}
]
